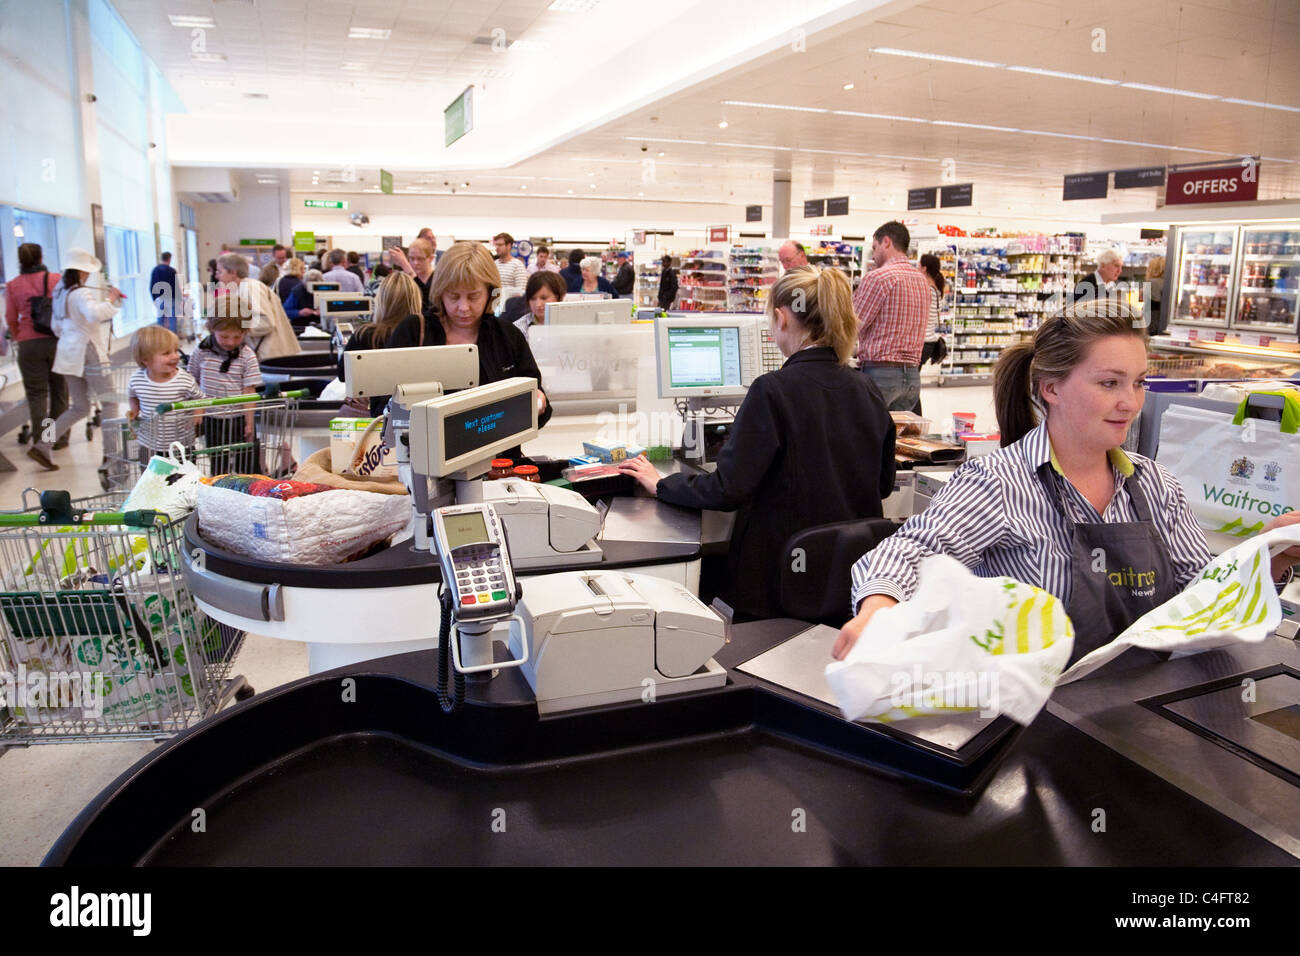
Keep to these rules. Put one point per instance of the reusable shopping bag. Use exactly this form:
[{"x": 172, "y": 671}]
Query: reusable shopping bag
[
  {"x": 1237, "y": 473},
  {"x": 170, "y": 484},
  {"x": 962, "y": 643},
  {"x": 1232, "y": 601}
]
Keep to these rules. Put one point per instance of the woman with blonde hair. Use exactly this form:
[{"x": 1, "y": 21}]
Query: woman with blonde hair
[
  {"x": 397, "y": 299},
  {"x": 813, "y": 442},
  {"x": 462, "y": 299}
]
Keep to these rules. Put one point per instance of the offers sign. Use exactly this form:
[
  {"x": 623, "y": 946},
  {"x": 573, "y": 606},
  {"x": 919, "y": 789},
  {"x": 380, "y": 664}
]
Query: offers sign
[
  {"x": 719, "y": 233},
  {"x": 1236, "y": 183}
]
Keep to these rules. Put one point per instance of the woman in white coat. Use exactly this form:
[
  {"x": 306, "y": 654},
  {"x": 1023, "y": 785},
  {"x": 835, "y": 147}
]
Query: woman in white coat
[{"x": 81, "y": 320}]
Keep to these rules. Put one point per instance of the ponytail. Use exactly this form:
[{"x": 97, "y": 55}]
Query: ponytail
[
  {"x": 1012, "y": 398},
  {"x": 930, "y": 266},
  {"x": 822, "y": 301}
]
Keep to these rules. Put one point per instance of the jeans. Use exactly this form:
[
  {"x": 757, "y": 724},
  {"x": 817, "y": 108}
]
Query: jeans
[
  {"x": 899, "y": 387},
  {"x": 167, "y": 322},
  {"x": 47, "y": 393}
]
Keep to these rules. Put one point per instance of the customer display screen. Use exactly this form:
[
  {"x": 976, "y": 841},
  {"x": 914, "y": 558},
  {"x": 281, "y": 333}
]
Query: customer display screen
[
  {"x": 464, "y": 432},
  {"x": 469, "y": 528},
  {"x": 699, "y": 357},
  {"x": 347, "y": 305},
  {"x": 325, "y": 287}
]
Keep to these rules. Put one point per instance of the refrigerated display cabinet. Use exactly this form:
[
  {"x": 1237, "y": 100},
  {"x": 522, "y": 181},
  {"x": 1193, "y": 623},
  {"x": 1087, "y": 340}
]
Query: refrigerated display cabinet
[
  {"x": 1205, "y": 276},
  {"x": 1269, "y": 289}
]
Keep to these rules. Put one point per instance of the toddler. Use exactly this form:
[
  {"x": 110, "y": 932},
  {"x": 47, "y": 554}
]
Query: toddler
[
  {"x": 159, "y": 379},
  {"x": 224, "y": 364}
]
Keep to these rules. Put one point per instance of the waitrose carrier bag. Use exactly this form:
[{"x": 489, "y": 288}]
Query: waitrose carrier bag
[{"x": 1238, "y": 473}]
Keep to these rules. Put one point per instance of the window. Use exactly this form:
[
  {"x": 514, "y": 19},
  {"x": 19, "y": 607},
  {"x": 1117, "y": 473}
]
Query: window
[
  {"x": 39, "y": 228},
  {"x": 125, "y": 272}
]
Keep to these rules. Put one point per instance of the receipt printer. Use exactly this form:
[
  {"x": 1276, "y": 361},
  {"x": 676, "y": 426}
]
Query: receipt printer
[
  {"x": 546, "y": 525},
  {"x": 601, "y": 637}
]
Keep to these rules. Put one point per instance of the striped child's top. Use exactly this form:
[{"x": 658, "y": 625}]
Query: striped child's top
[
  {"x": 243, "y": 377},
  {"x": 157, "y": 433}
]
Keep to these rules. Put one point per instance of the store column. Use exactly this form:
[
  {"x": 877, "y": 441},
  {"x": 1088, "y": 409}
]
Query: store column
[{"x": 780, "y": 205}]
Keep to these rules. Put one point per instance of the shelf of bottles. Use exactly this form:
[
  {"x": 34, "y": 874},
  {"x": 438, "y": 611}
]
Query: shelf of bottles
[
  {"x": 647, "y": 285},
  {"x": 839, "y": 255},
  {"x": 702, "y": 282},
  {"x": 1002, "y": 288},
  {"x": 751, "y": 273}
]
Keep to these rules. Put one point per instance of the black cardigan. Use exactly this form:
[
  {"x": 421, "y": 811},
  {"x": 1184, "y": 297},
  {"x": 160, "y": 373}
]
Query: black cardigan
[
  {"x": 812, "y": 443},
  {"x": 503, "y": 350}
]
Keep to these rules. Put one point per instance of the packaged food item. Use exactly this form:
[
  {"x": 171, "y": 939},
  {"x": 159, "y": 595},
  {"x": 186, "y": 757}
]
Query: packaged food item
[
  {"x": 357, "y": 449},
  {"x": 612, "y": 453},
  {"x": 963, "y": 422},
  {"x": 909, "y": 424},
  {"x": 501, "y": 468},
  {"x": 528, "y": 473}
]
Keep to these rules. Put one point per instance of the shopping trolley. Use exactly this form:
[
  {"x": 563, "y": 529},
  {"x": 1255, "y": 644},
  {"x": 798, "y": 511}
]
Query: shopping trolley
[
  {"x": 99, "y": 636},
  {"x": 246, "y": 434}
]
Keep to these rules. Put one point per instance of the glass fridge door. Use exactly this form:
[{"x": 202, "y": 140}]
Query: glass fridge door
[
  {"x": 1270, "y": 278},
  {"x": 1206, "y": 256}
]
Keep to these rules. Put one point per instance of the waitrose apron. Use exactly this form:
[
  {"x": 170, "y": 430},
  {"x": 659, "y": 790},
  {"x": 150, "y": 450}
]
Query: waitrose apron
[{"x": 1137, "y": 577}]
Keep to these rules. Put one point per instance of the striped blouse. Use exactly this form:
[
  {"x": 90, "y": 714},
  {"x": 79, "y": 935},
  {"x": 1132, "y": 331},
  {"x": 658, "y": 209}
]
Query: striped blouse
[
  {"x": 995, "y": 517},
  {"x": 158, "y": 432}
]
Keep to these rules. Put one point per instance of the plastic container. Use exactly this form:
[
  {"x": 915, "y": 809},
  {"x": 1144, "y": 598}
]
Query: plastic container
[
  {"x": 910, "y": 424},
  {"x": 962, "y": 422},
  {"x": 527, "y": 473},
  {"x": 501, "y": 468}
]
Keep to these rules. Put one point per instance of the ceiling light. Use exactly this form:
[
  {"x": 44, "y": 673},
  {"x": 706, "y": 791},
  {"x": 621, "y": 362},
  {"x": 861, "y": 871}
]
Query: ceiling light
[
  {"x": 496, "y": 74},
  {"x": 883, "y": 116},
  {"x": 464, "y": 185},
  {"x": 570, "y": 192},
  {"x": 998, "y": 129},
  {"x": 1064, "y": 76},
  {"x": 208, "y": 57},
  {"x": 353, "y": 66},
  {"x": 1170, "y": 90},
  {"x": 722, "y": 124},
  {"x": 315, "y": 172},
  {"x": 523, "y": 185},
  {"x": 640, "y": 194},
  {"x": 776, "y": 106},
  {"x": 202, "y": 23},
  {"x": 593, "y": 185},
  {"x": 848, "y": 86},
  {"x": 661, "y": 152},
  {"x": 573, "y": 6},
  {"x": 652, "y": 139},
  {"x": 368, "y": 33},
  {"x": 591, "y": 174},
  {"x": 1267, "y": 106},
  {"x": 941, "y": 57},
  {"x": 753, "y": 146},
  {"x": 527, "y": 46}
]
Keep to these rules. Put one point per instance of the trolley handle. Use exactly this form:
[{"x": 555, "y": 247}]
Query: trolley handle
[
  {"x": 95, "y": 519},
  {"x": 166, "y": 407}
]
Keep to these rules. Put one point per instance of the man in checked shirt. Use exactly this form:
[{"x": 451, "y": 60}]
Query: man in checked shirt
[{"x": 892, "y": 304}]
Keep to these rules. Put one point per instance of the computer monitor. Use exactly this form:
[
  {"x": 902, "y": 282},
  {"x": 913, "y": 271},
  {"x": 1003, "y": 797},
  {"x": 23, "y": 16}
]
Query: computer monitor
[
  {"x": 714, "y": 357},
  {"x": 603, "y": 312},
  {"x": 343, "y": 305},
  {"x": 380, "y": 371},
  {"x": 461, "y": 434},
  {"x": 314, "y": 287},
  {"x": 586, "y": 296}
]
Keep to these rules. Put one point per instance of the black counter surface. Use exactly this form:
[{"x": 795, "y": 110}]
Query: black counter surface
[{"x": 300, "y": 775}]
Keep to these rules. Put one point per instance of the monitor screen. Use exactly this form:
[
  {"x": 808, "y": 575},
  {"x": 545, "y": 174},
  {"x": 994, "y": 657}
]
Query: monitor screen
[
  {"x": 347, "y": 305},
  {"x": 464, "y": 432},
  {"x": 702, "y": 357},
  {"x": 325, "y": 287},
  {"x": 463, "y": 529}
]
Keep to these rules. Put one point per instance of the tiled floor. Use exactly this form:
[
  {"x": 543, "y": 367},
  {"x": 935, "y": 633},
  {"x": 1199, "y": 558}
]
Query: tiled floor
[{"x": 44, "y": 787}]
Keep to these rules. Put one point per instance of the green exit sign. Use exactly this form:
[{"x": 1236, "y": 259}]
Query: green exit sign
[{"x": 325, "y": 203}]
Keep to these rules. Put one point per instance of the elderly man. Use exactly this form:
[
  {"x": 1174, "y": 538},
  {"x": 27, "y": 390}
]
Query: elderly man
[
  {"x": 893, "y": 307},
  {"x": 269, "y": 333},
  {"x": 792, "y": 255},
  {"x": 1100, "y": 284},
  {"x": 338, "y": 272}
]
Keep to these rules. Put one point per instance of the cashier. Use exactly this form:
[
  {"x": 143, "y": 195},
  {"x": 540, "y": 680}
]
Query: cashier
[
  {"x": 462, "y": 297},
  {"x": 812, "y": 443},
  {"x": 1060, "y": 496}
]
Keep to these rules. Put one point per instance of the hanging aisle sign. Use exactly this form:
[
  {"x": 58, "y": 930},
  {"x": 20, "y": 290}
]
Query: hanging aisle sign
[
  {"x": 753, "y": 214},
  {"x": 923, "y": 198},
  {"x": 719, "y": 233},
  {"x": 814, "y": 208},
  {"x": 962, "y": 194},
  {"x": 1086, "y": 186},
  {"x": 1237, "y": 182},
  {"x": 1137, "y": 178}
]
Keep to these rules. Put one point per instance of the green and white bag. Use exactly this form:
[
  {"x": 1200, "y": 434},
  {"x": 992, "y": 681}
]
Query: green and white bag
[
  {"x": 962, "y": 643},
  {"x": 1238, "y": 473}
]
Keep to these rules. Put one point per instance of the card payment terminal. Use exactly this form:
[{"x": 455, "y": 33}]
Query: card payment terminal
[{"x": 471, "y": 547}]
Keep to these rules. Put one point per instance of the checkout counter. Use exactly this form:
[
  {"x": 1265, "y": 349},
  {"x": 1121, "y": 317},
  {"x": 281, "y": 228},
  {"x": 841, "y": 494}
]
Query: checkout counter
[{"x": 1187, "y": 772}]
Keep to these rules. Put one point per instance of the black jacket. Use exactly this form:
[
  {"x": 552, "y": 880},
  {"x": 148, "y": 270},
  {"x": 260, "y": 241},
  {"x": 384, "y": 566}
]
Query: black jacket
[
  {"x": 812, "y": 443},
  {"x": 667, "y": 288},
  {"x": 625, "y": 281},
  {"x": 1086, "y": 288},
  {"x": 503, "y": 351},
  {"x": 570, "y": 275}
]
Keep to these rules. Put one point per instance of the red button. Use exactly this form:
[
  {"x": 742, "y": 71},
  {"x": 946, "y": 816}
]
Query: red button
[{"x": 468, "y": 600}]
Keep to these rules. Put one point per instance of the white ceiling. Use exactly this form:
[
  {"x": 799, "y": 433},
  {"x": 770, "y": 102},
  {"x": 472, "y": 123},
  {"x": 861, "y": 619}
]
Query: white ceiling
[{"x": 298, "y": 55}]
